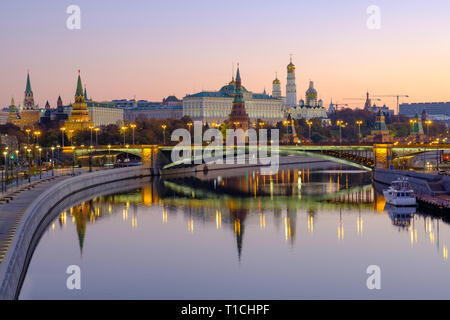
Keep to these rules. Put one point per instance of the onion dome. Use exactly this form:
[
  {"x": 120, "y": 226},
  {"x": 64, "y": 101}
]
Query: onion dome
[
  {"x": 311, "y": 92},
  {"x": 276, "y": 81}
]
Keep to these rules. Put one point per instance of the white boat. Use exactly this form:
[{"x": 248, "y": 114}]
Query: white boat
[{"x": 400, "y": 194}]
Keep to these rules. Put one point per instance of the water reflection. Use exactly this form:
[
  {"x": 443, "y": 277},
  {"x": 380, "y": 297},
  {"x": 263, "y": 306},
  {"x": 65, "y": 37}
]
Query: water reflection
[{"x": 331, "y": 212}]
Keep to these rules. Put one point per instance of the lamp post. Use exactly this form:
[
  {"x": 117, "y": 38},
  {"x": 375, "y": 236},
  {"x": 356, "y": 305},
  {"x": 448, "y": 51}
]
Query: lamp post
[
  {"x": 428, "y": 122},
  {"x": 91, "y": 128},
  {"x": 73, "y": 160},
  {"x": 5, "y": 177},
  {"x": 309, "y": 123},
  {"x": 164, "y": 133},
  {"x": 40, "y": 164},
  {"x": 63, "y": 129},
  {"x": 359, "y": 123},
  {"x": 17, "y": 168},
  {"x": 124, "y": 129},
  {"x": 37, "y": 134},
  {"x": 28, "y": 135},
  {"x": 53, "y": 161},
  {"x": 29, "y": 164},
  {"x": 133, "y": 127},
  {"x": 109, "y": 152},
  {"x": 96, "y": 135},
  {"x": 341, "y": 125}
]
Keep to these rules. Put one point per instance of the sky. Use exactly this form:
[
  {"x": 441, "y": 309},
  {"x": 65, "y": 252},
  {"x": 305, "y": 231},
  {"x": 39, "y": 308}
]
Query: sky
[{"x": 151, "y": 49}]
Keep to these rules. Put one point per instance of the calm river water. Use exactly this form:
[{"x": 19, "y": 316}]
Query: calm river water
[{"x": 305, "y": 233}]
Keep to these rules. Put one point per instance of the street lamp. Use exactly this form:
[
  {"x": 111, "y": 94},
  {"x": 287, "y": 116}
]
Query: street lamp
[
  {"x": 73, "y": 160},
  {"x": 96, "y": 135},
  {"x": 53, "y": 161},
  {"x": 164, "y": 132},
  {"x": 309, "y": 123},
  {"x": 124, "y": 129},
  {"x": 29, "y": 165},
  {"x": 133, "y": 127},
  {"x": 28, "y": 135},
  {"x": 341, "y": 125},
  {"x": 91, "y": 128},
  {"x": 4, "y": 176},
  {"x": 37, "y": 134},
  {"x": 428, "y": 122},
  {"x": 359, "y": 123},
  {"x": 63, "y": 129},
  {"x": 40, "y": 164}
]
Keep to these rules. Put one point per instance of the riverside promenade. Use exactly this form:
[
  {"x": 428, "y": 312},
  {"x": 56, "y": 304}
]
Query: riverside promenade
[{"x": 24, "y": 214}]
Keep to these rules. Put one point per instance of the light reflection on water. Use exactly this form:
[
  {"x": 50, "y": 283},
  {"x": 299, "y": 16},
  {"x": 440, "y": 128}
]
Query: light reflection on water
[{"x": 299, "y": 234}]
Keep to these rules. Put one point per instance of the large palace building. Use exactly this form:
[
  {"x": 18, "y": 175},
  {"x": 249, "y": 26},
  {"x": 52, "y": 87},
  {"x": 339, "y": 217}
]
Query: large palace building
[
  {"x": 79, "y": 118},
  {"x": 215, "y": 106}
]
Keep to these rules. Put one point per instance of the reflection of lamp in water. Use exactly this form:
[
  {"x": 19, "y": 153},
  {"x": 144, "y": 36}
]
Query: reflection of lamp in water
[
  {"x": 134, "y": 221},
  {"x": 311, "y": 223},
  {"x": 287, "y": 228},
  {"x": 164, "y": 216},
  {"x": 191, "y": 225},
  {"x": 359, "y": 225},
  {"x": 262, "y": 221},
  {"x": 341, "y": 227},
  {"x": 125, "y": 214},
  {"x": 445, "y": 253},
  {"x": 218, "y": 219}
]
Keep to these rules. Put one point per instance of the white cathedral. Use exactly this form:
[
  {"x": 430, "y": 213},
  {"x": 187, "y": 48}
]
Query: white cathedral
[{"x": 312, "y": 108}]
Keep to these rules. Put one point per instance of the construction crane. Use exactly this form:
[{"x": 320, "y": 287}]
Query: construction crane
[
  {"x": 362, "y": 99},
  {"x": 337, "y": 105},
  {"x": 398, "y": 96}
]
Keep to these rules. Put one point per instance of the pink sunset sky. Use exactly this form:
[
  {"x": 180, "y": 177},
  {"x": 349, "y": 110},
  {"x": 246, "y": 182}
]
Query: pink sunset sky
[{"x": 152, "y": 49}]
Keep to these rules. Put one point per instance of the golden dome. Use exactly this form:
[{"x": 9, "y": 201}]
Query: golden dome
[
  {"x": 291, "y": 67},
  {"x": 276, "y": 81}
]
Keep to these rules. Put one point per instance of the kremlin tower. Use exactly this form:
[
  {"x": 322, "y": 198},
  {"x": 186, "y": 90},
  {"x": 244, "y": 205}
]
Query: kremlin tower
[
  {"x": 28, "y": 101},
  {"x": 291, "y": 87},
  {"x": 29, "y": 114},
  {"x": 238, "y": 117},
  {"x": 79, "y": 117}
]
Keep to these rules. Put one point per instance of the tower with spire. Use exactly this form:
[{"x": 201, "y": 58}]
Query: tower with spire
[
  {"x": 276, "y": 88},
  {"x": 291, "y": 87},
  {"x": 238, "y": 117},
  {"x": 79, "y": 118},
  {"x": 13, "y": 115},
  {"x": 28, "y": 101}
]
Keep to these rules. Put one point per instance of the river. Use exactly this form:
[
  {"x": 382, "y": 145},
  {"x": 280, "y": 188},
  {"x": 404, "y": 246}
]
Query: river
[{"x": 308, "y": 232}]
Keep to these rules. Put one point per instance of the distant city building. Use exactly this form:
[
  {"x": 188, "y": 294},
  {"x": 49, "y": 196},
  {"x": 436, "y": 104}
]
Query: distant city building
[
  {"x": 60, "y": 115},
  {"x": 215, "y": 106},
  {"x": 153, "y": 111},
  {"x": 437, "y": 111}
]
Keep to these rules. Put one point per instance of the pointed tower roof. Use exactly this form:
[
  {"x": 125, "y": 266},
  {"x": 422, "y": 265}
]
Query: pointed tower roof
[
  {"x": 28, "y": 88},
  {"x": 12, "y": 101},
  {"x": 79, "y": 92},
  {"x": 47, "y": 105},
  {"x": 85, "y": 93}
]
